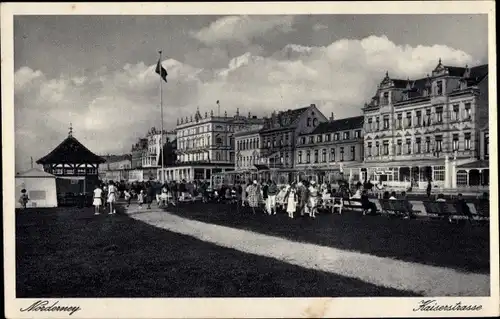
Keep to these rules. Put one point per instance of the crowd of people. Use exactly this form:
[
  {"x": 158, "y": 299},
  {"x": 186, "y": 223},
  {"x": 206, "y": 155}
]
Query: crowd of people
[{"x": 302, "y": 198}]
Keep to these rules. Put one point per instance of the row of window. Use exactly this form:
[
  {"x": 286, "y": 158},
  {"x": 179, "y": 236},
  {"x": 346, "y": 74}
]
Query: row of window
[
  {"x": 248, "y": 144},
  {"x": 421, "y": 119},
  {"x": 201, "y": 142},
  {"x": 218, "y": 156},
  {"x": 206, "y": 129},
  {"x": 323, "y": 159},
  {"x": 437, "y": 88},
  {"x": 328, "y": 137},
  {"x": 71, "y": 171},
  {"x": 276, "y": 140}
]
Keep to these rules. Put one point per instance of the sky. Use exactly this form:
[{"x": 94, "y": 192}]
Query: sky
[{"x": 97, "y": 72}]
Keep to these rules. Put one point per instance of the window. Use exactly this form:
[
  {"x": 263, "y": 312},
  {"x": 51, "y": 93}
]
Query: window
[
  {"x": 439, "y": 114},
  {"x": 81, "y": 171},
  {"x": 462, "y": 177},
  {"x": 377, "y": 149},
  {"x": 369, "y": 149},
  {"x": 455, "y": 113},
  {"x": 439, "y": 143},
  {"x": 357, "y": 134},
  {"x": 316, "y": 156},
  {"x": 418, "y": 145},
  {"x": 419, "y": 118},
  {"x": 341, "y": 154},
  {"x": 274, "y": 141},
  {"x": 399, "y": 147},
  {"x": 299, "y": 156},
  {"x": 58, "y": 171},
  {"x": 218, "y": 141},
  {"x": 455, "y": 142},
  {"x": 377, "y": 124},
  {"x": 346, "y": 136},
  {"x": 311, "y": 139},
  {"x": 386, "y": 122},
  {"x": 336, "y": 137},
  {"x": 468, "y": 112},
  {"x": 308, "y": 121},
  {"x": 428, "y": 120},
  {"x": 439, "y": 172},
  {"x": 439, "y": 88},
  {"x": 353, "y": 153},
  {"x": 302, "y": 140},
  {"x": 370, "y": 124},
  {"x": 486, "y": 144},
  {"x": 385, "y": 98},
  {"x": 319, "y": 138},
  {"x": 385, "y": 147},
  {"x": 308, "y": 157},
  {"x": 332, "y": 155},
  {"x": 323, "y": 156},
  {"x": 69, "y": 171},
  {"x": 315, "y": 122},
  {"x": 399, "y": 121},
  {"x": 408, "y": 119},
  {"x": 328, "y": 137},
  {"x": 467, "y": 141},
  {"x": 408, "y": 146},
  {"x": 427, "y": 144}
]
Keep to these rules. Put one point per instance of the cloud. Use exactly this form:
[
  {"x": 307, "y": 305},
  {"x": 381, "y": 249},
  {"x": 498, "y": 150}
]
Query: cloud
[
  {"x": 111, "y": 109},
  {"x": 242, "y": 28}
]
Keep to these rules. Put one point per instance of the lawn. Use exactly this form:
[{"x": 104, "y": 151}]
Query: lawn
[
  {"x": 462, "y": 247},
  {"x": 68, "y": 252}
]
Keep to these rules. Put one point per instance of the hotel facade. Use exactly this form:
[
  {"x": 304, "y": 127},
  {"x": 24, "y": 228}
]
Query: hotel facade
[
  {"x": 205, "y": 145},
  {"x": 433, "y": 128}
]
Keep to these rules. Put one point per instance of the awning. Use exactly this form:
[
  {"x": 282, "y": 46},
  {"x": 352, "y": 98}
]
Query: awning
[
  {"x": 410, "y": 163},
  {"x": 481, "y": 164},
  {"x": 72, "y": 177}
]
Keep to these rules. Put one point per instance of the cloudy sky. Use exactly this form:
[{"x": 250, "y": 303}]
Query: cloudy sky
[{"x": 98, "y": 72}]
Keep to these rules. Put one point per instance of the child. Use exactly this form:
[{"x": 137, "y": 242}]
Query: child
[
  {"x": 140, "y": 198},
  {"x": 97, "y": 199},
  {"x": 128, "y": 197},
  {"x": 290, "y": 199},
  {"x": 23, "y": 200}
]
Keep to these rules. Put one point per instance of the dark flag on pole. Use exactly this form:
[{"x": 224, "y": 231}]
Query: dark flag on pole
[{"x": 161, "y": 71}]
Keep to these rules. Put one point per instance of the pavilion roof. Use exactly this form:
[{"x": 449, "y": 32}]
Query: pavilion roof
[{"x": 71, "y": 151}]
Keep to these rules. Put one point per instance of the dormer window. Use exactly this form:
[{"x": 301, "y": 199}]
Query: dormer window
[
  {"x": 336, "y": 137},
  {"x": 439, "y": 88},
  {"x": 309, "y": 122},
  {"x": 346, "y": 136},
  {"x": 385, "y": 98},
  {"x": 319, "y": 139}
]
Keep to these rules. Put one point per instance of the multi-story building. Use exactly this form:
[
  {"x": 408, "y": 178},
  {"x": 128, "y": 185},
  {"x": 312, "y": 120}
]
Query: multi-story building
[
  {"x": 137, "y": 152},
  {"x": 151, "y": 157},
  {"x": 280, "y": 132},
  {"x": 247, "y": 148},
  {"x": 333, "y": 150},
  {"x": 116, "y": 167},
  {"x": 416, "y": 130},
  {"x": 205, "y": 145}
]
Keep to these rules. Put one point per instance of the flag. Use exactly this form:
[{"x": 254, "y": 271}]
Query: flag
[{"x": 161, "y": 71}]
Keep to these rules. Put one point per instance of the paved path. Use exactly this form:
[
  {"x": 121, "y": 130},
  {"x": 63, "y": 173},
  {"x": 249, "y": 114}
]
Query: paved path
[{"x": 422, "y": 279}]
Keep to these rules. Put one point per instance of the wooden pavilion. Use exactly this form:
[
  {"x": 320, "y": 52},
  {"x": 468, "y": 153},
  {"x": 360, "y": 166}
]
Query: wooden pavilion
[{"x": 74, "y": 165}]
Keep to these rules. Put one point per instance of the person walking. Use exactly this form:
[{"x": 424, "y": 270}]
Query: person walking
[
  {"x": 291, "y": 200},
  {"x": 128, "y": 196},
  {"x": 429, "y": 188},
  {"x": 313, "y": 199},
  {"x": 112, "y": 191},
  {"x": 272, "y": 191},
  {"x": 254, "y": 195},
  {"x": 97, "y": 199}
]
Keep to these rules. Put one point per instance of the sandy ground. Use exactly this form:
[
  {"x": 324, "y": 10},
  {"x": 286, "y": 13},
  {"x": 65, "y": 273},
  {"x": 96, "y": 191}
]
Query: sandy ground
[{"x": 422, "y": 279}]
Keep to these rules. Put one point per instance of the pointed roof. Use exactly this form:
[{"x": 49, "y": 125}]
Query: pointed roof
[
  {"x": 349, "y": 123},
  {"x": 35, "y": 172},
  {"x": 70, "y": 151}
]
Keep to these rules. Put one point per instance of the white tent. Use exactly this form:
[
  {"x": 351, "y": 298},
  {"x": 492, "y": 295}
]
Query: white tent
[{"x": 40, "y": 187}]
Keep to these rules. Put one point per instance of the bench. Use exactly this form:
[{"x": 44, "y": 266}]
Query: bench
[
  {"x": 333, "y": 203},
  {"x": 481, "y": 209},
  {"x": 397, "y": 207},
  {"x": 445, "y": 210}
]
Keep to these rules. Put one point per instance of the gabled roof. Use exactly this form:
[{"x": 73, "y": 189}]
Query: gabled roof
[
  {"x": 349, "y": 123},
  {"x": 35, "y": 173},
  {"x": 70, "y": 151},
  {"x": 283, "y": 119}
]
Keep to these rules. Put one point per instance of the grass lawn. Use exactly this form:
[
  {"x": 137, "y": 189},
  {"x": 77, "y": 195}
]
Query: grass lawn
[
  {"x": 67, "y": 252},
  {"x": 464, "y": 247}
]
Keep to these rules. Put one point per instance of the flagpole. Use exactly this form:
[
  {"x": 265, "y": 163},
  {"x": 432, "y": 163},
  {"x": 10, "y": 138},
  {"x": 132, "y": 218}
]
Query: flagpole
[{"x": 161, "y": 135}]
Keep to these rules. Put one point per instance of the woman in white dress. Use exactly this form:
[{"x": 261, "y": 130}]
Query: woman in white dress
[
  {"x": 97, "y": 199},
  {"x": 291, "y": 201},
  {"x": 112, "y": 190}
]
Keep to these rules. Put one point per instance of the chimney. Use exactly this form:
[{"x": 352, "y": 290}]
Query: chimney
[
  {"x": 312, "y": 104},
  {"x": 332, "y": 117}
]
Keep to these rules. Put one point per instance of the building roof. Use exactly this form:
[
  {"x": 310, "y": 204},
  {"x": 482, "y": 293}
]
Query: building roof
[
  {"x": 35, "y": 173},
  {"x": 283, "y": 119},
  {"x": 70, "y": 151},
  {"x": 349, "y": 123}
]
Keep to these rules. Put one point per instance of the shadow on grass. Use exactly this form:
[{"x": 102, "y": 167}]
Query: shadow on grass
[
  {"x": 463, "y": 247},
  {"x": 72, "y": 253}
]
